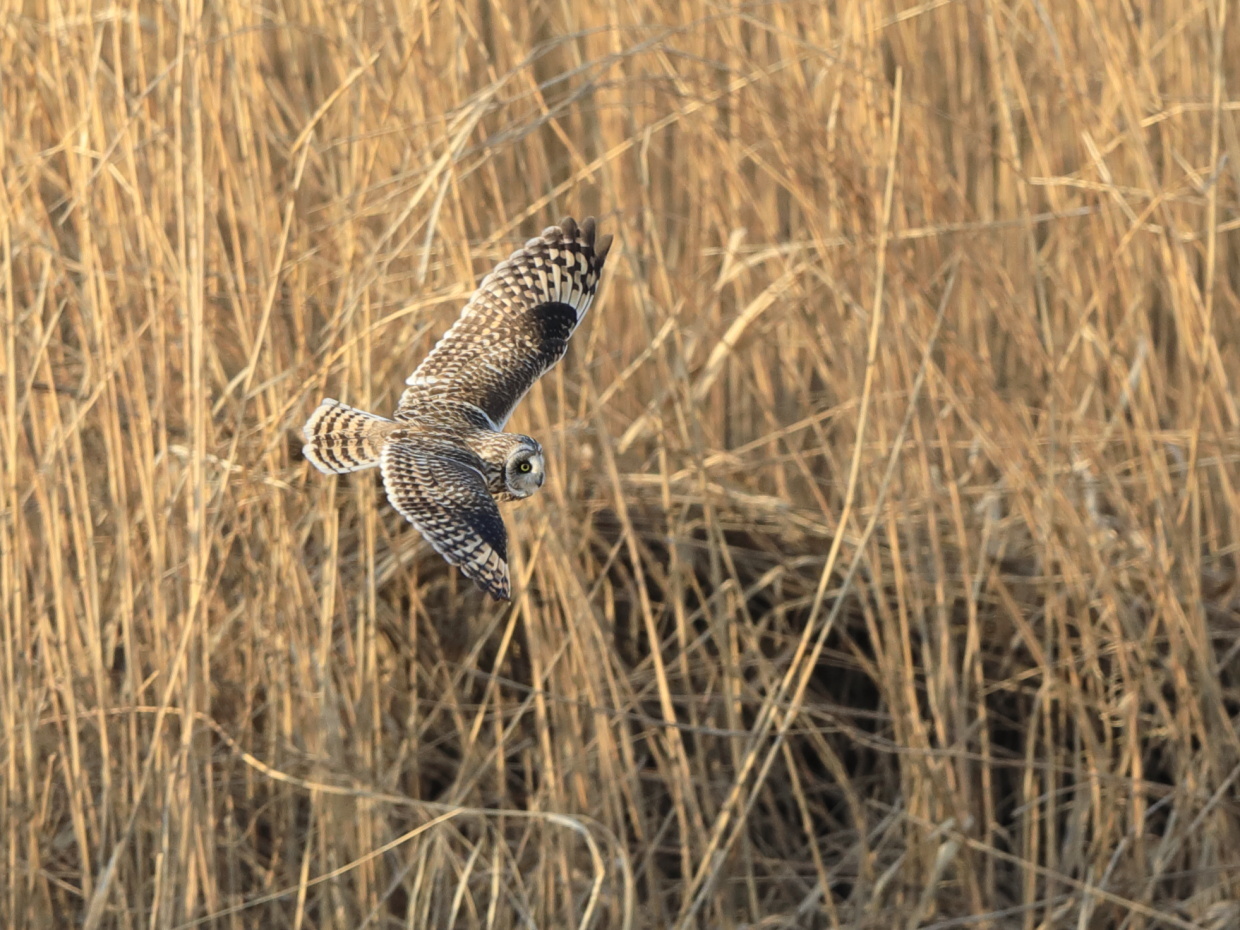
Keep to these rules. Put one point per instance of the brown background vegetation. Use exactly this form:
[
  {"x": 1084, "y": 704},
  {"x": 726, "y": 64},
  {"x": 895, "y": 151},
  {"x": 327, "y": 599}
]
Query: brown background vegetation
[{"x": 886, "y": 571}]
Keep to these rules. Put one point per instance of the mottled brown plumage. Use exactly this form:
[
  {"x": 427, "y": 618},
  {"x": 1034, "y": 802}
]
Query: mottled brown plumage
[{"x": 444, "y": 459}]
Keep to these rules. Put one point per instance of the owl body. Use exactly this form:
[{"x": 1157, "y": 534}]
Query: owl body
[{"x": 445, "y": 459}]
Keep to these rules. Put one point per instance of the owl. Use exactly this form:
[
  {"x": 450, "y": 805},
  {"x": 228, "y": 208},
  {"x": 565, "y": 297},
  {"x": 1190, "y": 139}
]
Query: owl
[{"x": 445, "y": 458}]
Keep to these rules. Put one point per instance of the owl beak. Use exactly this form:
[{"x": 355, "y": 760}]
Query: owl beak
[{"x": 542, "y": 476}]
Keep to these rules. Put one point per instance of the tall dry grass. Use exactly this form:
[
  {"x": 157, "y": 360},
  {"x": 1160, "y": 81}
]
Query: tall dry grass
[{"x": 887, "y": 571}]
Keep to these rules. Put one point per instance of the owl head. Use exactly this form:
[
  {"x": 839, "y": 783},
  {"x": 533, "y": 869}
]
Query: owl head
[{"x": 523, "y": 471}]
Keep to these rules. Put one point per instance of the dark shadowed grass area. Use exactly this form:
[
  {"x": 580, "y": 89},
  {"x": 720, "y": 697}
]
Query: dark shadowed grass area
[{"x": 886, "y": 573}]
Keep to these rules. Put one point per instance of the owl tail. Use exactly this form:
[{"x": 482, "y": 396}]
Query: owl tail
[{"x": 340, "y": 438}]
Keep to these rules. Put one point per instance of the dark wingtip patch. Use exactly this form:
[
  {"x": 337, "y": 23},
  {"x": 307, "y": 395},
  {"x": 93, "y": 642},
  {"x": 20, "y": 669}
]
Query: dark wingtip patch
[
  {"x": 569, "y": 225},
  {"x": 555, "y": 321}
]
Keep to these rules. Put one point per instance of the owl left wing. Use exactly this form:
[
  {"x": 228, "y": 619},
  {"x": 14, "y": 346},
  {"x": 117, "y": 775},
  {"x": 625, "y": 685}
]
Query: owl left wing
[
  {"x": 446, "y": 498},
  {"x": 515, "y": 327}
]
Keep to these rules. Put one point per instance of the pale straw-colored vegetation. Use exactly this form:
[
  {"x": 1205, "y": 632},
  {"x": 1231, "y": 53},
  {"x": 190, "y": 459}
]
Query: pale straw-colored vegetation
[{"x": 886, "y": 571}]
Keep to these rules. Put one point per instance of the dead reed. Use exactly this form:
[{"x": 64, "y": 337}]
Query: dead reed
[{"x": 886, "y": 575}]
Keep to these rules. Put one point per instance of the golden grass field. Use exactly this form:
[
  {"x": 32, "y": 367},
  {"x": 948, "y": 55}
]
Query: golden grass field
[{"x": 886, "y": 573}]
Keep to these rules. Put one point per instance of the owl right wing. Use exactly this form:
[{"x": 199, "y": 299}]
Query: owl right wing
[
  {"x": 515, "y": 327},
  {"x": 446, "y": 498}
]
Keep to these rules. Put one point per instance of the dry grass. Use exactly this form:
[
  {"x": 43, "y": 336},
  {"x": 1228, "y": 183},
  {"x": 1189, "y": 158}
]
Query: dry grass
[{"x": 886, "y": 574}]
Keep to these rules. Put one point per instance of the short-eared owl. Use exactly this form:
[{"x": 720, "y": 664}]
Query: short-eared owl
[{"x": 444, "y": 459}]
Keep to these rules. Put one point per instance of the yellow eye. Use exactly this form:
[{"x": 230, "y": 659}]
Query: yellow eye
[{"x": 524, "y": 467}]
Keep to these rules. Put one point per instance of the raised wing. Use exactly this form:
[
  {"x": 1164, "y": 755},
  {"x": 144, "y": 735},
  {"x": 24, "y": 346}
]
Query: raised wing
[
  {"x": 446, "y": 498},
  {"x": 514, "y": 328}
]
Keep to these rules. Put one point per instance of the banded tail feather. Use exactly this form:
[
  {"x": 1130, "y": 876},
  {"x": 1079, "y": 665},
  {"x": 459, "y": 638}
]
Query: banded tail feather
[{"x": 341, "y": 439}]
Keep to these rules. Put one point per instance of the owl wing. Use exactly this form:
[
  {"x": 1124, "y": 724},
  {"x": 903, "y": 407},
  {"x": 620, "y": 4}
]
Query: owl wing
[
  {"x": 515, "y": 327},
  {"x": 446, "y": 498}
]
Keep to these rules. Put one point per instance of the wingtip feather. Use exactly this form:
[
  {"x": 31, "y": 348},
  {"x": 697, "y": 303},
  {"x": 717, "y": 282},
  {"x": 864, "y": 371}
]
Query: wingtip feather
[
  {"x": 586, "y": 232},
  {"x": 601, "y": 249}
]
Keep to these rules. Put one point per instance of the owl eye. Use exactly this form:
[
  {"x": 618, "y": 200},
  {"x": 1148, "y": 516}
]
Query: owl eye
[{"x": 524, "y": 467}]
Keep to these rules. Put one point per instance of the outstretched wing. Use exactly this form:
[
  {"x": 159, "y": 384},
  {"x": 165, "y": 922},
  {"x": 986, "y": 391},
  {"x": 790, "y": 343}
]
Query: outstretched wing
[
  {"x": 514, "y": 328},
  {"x": 447, "y": 500}
]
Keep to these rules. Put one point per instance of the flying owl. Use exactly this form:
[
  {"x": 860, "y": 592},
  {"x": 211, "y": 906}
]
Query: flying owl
[{"x": 445, "y": 458}]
